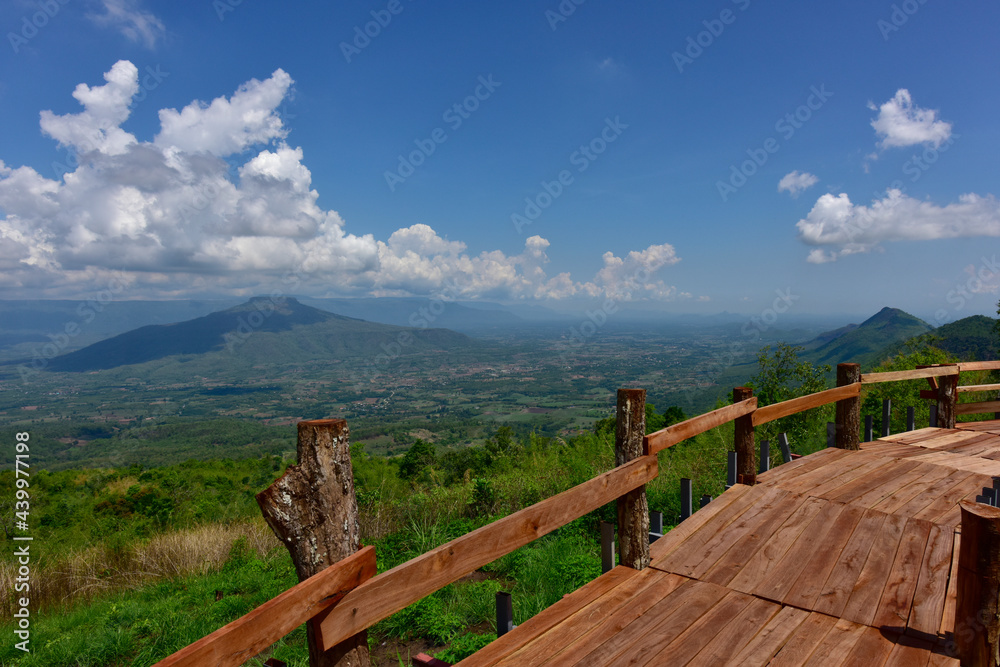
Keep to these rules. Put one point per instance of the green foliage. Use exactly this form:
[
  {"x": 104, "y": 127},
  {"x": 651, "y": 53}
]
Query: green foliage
[
  {"x": 418, "y": 458},
  {"x": 902, "y": 394},
  {"x": 464, "y": 646},
  {"x": 673, "y": 415},
  {"x": 783, "y": 376},
  {"x": 484, "y": 497},
  {"x": 503, "y": 443}
]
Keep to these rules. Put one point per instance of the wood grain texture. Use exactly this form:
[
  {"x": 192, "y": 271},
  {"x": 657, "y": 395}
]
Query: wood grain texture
[
  {"x": 769, "y": 413},
  {"x": 979, "y": 366},
  {"x": 547, "y": 619},
  {"x": 896, "y": 376},
  {"x": 977, "y": 408},
  {"x": 689, "y": 428}
]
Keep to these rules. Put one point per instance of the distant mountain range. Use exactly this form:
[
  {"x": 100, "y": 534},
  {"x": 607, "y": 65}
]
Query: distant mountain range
[{"x": 261, "y": 331}]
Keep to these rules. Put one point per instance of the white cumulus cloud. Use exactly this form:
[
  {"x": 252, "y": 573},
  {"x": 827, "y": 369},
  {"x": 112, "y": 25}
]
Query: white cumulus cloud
[
  {"x": 228, "y": 126},
  {"x": 900, "y": 123},
  {"x": 839, "y": 227},
  {"x": 169, "y": 217},
  {"x": 795, "y": 183}
]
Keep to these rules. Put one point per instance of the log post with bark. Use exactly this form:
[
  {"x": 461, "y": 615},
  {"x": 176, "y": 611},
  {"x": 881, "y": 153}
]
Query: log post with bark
[
  {"x": 977, "y": 614},
  {"x": 313, "y": 511},
  {"x": 743, "y": 441},
  {"x": 633, "y": 507},
  {"x": 848, "y": 420}
]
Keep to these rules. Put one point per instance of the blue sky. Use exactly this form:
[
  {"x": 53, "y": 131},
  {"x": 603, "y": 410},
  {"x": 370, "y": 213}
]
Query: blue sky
[{"x": 554, "y": 152}]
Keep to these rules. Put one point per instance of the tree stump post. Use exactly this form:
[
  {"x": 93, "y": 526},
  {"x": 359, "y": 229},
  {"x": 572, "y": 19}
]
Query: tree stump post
[
  {"x": 313, "y": 511},
  {"x": 947, "y": 398},
  {"x": 633, "y": 507},
  {"x": 848, "y": 418},
  {"x": 977, "y": 615},
  {"x": 743, "y": 442}
]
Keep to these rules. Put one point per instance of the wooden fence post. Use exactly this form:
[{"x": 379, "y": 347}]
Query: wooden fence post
[
  {"x": 848, "y": 417},
  {"x": 313, "y": 511},
  {"x": 977, "y": 616},
  {"x": 746, "y": 453},
  {"x": 633, "y": 507},
  {"x": 947, "y": 397}
]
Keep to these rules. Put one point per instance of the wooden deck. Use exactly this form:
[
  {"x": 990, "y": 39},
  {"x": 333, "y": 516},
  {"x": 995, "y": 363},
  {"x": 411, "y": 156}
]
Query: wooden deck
[{"x": 837, "y": 558}]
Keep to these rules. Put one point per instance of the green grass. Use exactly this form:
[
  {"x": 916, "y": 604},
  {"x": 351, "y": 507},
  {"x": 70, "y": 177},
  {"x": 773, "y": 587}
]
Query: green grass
[{"x": 141, "y": 627}]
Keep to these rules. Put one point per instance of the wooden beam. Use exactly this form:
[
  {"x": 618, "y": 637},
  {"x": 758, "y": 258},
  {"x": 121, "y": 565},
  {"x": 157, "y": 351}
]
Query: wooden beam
[
  {"x": 746, "y": 452},
  {"x": 247, "y": 636},
  {"x": 633, "y": 507},
  {"x": 896, "y": 376},
  {"x": 403, "y": 585},
  {"x": 769, "y": 413},
  {"x": 681, "y": 431},
  {"x": 977, "y": 614},
  {"x": 978, "y": 387},
  {"x": 979, "y": 366},
  {"x": 976, "y": 408},
  {"x": 848, "y": 419}
]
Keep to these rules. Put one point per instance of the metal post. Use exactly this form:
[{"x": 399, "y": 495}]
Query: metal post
[
  {"x": 886, "y": 417},
  {"x": 731, "y": 470},
  {"x": 932, "y": 422},
  {"x": 706, "y": 499},
  {"x": 765, "y": 455},
  {"x": 869, "y": 428},
  {"x": 910, "y": 419},
  {"x": 786, "y": 452},
  {"x": 686, "y": 501},
  {"x": 831, "y": 434},
  {"x": 655, "y": 526},
  {"x": 505, "y": 613},
  {"x": 607, "y": 546}
]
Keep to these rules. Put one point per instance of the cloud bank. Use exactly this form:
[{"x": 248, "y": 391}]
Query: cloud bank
[
  {"x": 174, "y": 218},
  {"x": 838, "y": 227}
]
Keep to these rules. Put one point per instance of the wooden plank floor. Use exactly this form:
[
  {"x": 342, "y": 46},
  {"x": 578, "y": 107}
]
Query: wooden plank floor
[{"x": 836, "y": 558}]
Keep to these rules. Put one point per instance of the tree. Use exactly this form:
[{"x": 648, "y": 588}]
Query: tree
[
  {"x": 673, "y": 415},
  {"x": 418, "y": 458},
  {"x": 503, "y": 443},
  {"x": 781, "y": 376}
]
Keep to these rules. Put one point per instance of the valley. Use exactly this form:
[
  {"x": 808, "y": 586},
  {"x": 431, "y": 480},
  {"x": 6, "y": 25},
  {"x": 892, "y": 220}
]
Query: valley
[{"x": 163, "y": 393}]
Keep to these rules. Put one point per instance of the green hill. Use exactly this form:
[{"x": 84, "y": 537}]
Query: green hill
[
  {"x": 260, "y": 331},
  {"x": 970, "y": 338},
  {"x": 867, "y": 343}
]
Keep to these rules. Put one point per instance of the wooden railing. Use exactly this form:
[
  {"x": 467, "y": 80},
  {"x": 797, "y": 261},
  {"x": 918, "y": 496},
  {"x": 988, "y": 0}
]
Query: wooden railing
[{"x": 346, "y": 599}]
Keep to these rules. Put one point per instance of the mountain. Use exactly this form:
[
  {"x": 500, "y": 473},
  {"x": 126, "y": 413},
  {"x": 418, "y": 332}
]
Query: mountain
[
  {"x": 866, "y": 343},
  {"x": 418, "y": 312},
  {"x": 28, "y": 325},
  {"x": 263, "y": 330},
  {"x": 970, "y": 338}
]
